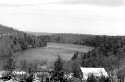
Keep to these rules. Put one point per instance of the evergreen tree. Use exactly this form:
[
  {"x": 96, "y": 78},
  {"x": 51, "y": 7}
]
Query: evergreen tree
[{"x": 58, "y": 69}]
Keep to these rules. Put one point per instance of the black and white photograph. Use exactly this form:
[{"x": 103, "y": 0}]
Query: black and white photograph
[{"x": 62, "y": 40}]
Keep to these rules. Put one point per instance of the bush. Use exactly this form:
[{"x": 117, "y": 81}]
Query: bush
[
  {"x": 75, "y": 79},
  {"x": 91, "y": 78}
]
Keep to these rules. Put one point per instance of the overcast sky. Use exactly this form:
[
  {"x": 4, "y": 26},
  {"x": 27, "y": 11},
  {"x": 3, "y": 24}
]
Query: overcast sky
[{"x": 65, "y": 16}]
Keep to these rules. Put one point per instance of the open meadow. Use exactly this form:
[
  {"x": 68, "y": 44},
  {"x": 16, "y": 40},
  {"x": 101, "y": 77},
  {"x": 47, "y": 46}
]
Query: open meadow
[{"x": 50, "y": 53}]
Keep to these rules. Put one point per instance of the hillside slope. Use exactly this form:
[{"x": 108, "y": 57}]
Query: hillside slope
[
  {"x": 12, "y": 41},
  {"x": 5, "y": 30}
]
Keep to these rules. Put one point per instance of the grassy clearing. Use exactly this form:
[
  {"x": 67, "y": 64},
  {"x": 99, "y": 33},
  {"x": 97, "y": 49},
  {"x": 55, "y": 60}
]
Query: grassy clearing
[
  {"x": 49, "y": 53},
  {"x": 66, "y": 51}
]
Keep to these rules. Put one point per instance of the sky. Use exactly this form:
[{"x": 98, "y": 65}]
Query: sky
[{"x": 100, "y": 17}]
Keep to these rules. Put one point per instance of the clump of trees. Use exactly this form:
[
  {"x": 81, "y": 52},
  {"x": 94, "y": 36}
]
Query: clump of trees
[
  {"x": 27, "y": 41},
  {"x": 9, "y": 65},
  {"x": 33, "y": 65},
  {"x": 73, "y": 66},
  {"x": 93, "y": 78},
  {"x": 58, "y": 70}
]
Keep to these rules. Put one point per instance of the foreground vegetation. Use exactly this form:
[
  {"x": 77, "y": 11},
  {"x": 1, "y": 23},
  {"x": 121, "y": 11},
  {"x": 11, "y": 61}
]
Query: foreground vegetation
[{"x": 58, "y": 74}]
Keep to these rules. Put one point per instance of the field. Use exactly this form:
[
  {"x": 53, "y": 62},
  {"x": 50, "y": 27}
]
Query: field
[{"x": 49, "y": 53}]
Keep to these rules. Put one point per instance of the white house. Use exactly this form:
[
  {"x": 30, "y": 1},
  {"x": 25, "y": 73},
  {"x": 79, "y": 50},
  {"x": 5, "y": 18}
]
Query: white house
[{"x": 96, "y": 71}]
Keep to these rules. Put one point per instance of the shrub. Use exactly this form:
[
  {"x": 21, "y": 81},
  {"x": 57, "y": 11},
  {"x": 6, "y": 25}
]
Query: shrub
[{"x": 91, "y": 78}]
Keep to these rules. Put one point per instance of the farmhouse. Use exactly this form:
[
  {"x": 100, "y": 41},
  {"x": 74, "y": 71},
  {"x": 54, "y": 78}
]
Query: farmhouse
[{"x": 96, "y": 71}]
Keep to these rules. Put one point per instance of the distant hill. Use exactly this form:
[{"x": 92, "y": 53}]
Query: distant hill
[
  {"x": 5, "y": 30},
  {"x": 5, "y": 33},
  {"x": 40, "y": 33}
]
